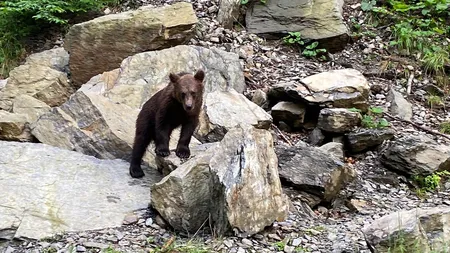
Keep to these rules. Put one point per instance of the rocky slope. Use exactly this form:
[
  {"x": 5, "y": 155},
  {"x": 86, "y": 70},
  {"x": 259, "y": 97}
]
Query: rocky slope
[{"x": 375, "y": 192}]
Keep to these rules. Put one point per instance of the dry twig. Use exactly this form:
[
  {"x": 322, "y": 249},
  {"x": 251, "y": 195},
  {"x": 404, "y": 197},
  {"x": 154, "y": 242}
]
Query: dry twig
[
  {"x": 419, "y": 126},
  {"x": 281, "y": 134},
  {"x": 409, "y": 84},
  {"x": 167, "y": 245}
]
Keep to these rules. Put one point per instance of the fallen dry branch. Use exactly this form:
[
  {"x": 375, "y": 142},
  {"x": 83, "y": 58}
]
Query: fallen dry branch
[
  {"x": 408, "y": 86},
  {"x": 419, "y": 126},
  {"x": 281, "y": 134},
  {"x": 167, "y": 245}
]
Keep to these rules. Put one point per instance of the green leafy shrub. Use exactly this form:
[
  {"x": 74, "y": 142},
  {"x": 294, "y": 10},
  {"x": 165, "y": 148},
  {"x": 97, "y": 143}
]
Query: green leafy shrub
[
  {"x": 294, "y": 38},
  {"x": 431, "y": 182},
  {"x": 444, "y": 127},
  {"x": 419, "y": 27},
  {"x": 373, "y": 118},
  {"x": 20, "y": 18},
  {"x": 311, "y": 50}
]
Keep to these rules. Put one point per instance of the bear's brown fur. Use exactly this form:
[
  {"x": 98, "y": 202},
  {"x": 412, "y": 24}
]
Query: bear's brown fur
[{"x": 179, "y": 103}]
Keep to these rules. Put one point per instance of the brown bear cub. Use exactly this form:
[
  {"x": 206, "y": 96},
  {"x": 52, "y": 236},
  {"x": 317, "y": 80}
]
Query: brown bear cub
[{"x": 179, "y": 103}]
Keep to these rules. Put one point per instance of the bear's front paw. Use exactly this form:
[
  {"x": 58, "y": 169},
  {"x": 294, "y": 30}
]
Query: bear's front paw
[
  {"x": 136, "y": 171},
  {"x": 183, "y": 152},
  {"x": 162, "y": 152}
]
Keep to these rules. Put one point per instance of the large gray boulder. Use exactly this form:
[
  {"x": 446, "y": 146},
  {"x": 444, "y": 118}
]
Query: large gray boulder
[
  {"x": 307, "y": 168},
  {"x": 89, "y": 124},
  {"x": 365, "y": 139},
  {"x": 101, "y": 44},
  {"x": 223, "y": 110},
  {"x": 416, "y": 155},
  {"x": 47, "y": 190},
  {"x": 99, "y": 119},
  {"x": 14, "y": 127},
  {"x": 42, "y": 77},
  {"x": 343, "y": 88},
  {"x": 338, "y": 120},
  {"x": 233, "y": 183},
  {"x": 314, "y": 19},
  {"x": 415, "y": 230},
  {"x": 140, "y": 76},
  {"x": 228, "y": 12}
]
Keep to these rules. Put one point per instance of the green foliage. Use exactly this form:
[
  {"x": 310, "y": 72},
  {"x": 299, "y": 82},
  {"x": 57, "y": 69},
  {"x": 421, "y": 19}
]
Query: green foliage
[
  {"x": 435, "y": 59},
  {"x": 110, "y": 250},
  {"x": 280, "y": 245},
  {"x": 312, "y": 50},
  {"x": 51, "y": 10},
  {"x": 354, "y": 110},
  {"x": 189, "y": 247},
  {"x": 433, "y": 100},
  {"x": 444, "y": 127},
  {"x": 20, "y": 18},
  {"x": 399, "y": 243},
  {"x": 374, "y": 119},
  {"x": 431, "y": 182},
  {"x": 294, "y": 38},
  {"x": 418, "y": 26},
  {"x": 49, "y": 250}
]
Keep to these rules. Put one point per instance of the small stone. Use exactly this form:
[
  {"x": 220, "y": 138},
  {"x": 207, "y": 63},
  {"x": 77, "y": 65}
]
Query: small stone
[
  {"x": 141, "y": 238},
  {"x": 3, "y": 83},
  {"x": 316, "y": 137},
  {"x": 112, "y": 238},
  {"x": 95, "y": 245},
  {"x": 338, "y": 120},
  {"x": 274, "y": 236},
  {"x": 44, "y": 244},
  {"x": 296, "y": 242},
  {"x": 259, "y": 97},
  {"x": 130, "y": 219},
  {"x": 119, "y": 235},
  {"x": 214, "y": 39},
  {"x": 247, "y": 242},
  {"x": 9, "y": 249},
  {"x": 80, "y": 248},
  {"x": 124, "y": 243},
  {"x": 289, "y": 249},
  {"x": 149, "y": 222},
  {"x": 241, "y": 250},
  {"x": 228, "y": 243},
  {"x": 400, "y": 107}
]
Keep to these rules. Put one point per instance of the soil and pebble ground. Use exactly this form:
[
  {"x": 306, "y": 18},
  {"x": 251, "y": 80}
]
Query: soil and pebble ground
[{"x": 376, "y": 192}]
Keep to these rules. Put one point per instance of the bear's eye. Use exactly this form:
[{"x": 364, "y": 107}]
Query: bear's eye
[
  {"x": 193, "y": 94},
  {"x": 183, "y": 95}
]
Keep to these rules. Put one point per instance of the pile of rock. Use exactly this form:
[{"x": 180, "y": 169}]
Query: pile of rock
[{"x": 234, "y": 178}]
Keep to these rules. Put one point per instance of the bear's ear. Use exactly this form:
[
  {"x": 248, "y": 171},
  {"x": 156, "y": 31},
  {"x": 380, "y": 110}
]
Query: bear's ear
[
  {"x": 200, "y": 75},
  {"x": 174, "y": 78}
]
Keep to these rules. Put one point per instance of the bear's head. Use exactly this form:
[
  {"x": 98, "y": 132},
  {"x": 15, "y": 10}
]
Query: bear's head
[{"x": 188, "y": 90}]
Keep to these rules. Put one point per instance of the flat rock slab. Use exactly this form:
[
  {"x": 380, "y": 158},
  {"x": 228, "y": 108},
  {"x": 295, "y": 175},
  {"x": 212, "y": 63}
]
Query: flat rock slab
[
  {"x": 45, "y": 190},
  {"x": 314, "y": 19}
]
